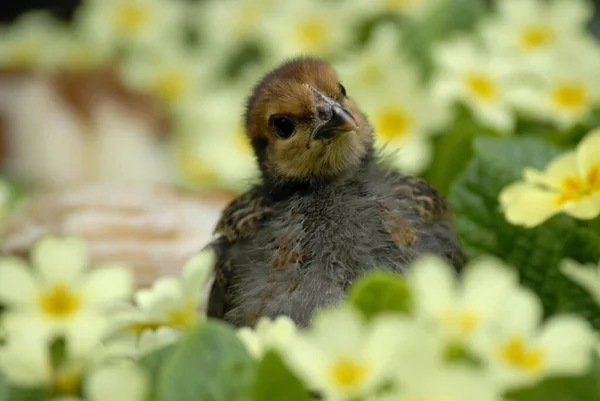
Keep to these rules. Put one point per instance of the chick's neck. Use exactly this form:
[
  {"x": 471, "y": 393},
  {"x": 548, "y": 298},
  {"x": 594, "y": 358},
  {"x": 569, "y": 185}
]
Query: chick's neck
[{"x": 279, "y": 188}]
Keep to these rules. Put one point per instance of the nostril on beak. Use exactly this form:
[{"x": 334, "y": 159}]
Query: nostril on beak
[{"x": 324, "y": 112}]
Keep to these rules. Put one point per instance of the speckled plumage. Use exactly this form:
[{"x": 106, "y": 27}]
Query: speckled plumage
[{"x": 292, "y": 245}]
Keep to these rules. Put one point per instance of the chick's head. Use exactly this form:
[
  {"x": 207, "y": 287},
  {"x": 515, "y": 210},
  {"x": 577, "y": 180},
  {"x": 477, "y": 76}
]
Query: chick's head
[{"x": 303, "y": 126}]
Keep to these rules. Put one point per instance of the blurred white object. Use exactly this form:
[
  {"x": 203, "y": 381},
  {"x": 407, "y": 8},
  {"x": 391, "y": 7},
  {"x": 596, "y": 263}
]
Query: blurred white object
[
  {"x": 52, "y": 144},
  {"x": 153, "y": 229}
]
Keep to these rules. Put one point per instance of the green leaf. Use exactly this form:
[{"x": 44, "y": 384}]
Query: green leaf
[
  {"x": 584, "y": 388},
  {"x": 381, "y": 291},
  {"x": 3, "y": 388},
  {"x": 537, "y": 252},
  {"x": 209, "y": 364},
  {"x": 27, "y": 394},
  {"x": 274, "y": 381},
  {"x": 153, "y": 363}
]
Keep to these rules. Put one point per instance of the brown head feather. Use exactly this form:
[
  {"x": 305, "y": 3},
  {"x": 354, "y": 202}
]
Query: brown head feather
[{"x": 289, "y": 90}]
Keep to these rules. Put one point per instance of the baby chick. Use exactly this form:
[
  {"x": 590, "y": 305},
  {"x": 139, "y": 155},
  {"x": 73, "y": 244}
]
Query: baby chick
[{"x": 325, "y": 212}]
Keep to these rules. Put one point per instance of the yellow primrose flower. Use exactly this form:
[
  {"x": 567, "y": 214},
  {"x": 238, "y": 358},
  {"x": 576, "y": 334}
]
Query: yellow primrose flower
[
  {"x": 570, "y": 184},
  {"x": 318, "y": 28},
  {"x": 114, "y": 22},
  {"x": 30, "y": 43},
  {"x": 460, "y": 309},
  {"x": 413, "y": 9},
  {"x": 403, "y": 113},
  {"x": 588, "y": 276},
  {"x": 171, "y": 301},
  {"x": 529, "y": 27},
  {"x": 479, "y": 80},
  {"x": 277, "y": 334},
  {"x": 343, "y": 357},
  {"x": 519, "y": 351},
  {"x": 226, "y": 160},
  {"x": 564, "y": 87},
  {"x": 170, "y": 75},
  {"x": 223, "y": 23},
  {"x": 117, "y": 381},
  {"x": 56, "y": 297}
]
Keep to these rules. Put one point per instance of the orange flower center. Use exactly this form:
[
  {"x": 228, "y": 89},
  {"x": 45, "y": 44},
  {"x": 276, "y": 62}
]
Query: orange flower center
[
  {"x": 536, "y": 36},
  {"x": 575, "y": 188},
  {"x": 516, "y": 353},
  {"x": 393, "y": 124},
  {"x": 482, "y": 86},
  {"x": 569, "y": 96},
  {"x": 132, "y": 17},
  {"x": 59, "y": 302},
  {"x": 348, "y": 372}
]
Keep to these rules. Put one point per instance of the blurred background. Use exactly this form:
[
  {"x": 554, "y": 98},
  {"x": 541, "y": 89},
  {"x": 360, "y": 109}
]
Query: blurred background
[{"x": 121, "y": 120}]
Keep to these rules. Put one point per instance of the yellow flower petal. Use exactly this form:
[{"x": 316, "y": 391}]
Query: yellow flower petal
[
  {"x": 585, "y": 209},
  {"x": 17, "y": 285},
  {"x": 527, "y": 205},
  {"x": 60, "y": 260},
  {"x": 107, "y": 284},
  {"x": 563, "y": 166},
  {"x": 588, "y": 156}
]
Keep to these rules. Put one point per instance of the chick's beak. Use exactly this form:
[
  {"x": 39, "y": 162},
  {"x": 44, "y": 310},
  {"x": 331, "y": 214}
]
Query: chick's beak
[{"x": 332, "y": 119}]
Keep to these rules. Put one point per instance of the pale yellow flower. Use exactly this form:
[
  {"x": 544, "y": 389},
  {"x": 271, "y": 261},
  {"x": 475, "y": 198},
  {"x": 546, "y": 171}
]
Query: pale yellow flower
[
  {"x": 519, "y": 350},
  {"x": 466, "y": 73},
  {"x": 55, "y": 296},
  {"x": 225, "y": 160},
  {"x": 570, "y": 184},
  {"x": 587, "y": 276},
  {"x": 31, "y": 43},
  {"x": 223, "y": 23},
  {"x": 268, "y": 334},
  {"x": 170, "y": 73},
  {"x": 562, "y": 87},
  {"x": 112, "y": 23},
  {"x": 343, "y": 357},
  {"x": 413, "y": 9},
  {"x": 403, "y": 113},
  {"x": 318, "y": 28},
  {"x": 119, "y": 381},
  {"x": 460, "y": 309},
  {"x": 171, "y": 301},
  {"x": 528, "y": 28}
]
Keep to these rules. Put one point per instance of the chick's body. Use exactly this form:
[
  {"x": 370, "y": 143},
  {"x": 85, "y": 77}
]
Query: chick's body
[{"x": 296, "y": 241}]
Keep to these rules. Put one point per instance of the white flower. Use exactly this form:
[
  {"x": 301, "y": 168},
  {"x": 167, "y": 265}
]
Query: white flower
[
  {"x": 414, "y": 9},
  {"x": 563, "y": 87},
  {"x": 446, "y": 383},
  {"x": 528, "y": 28},
  {"x": 519, "y": 351},
  {"x": 223, "y": 23},
  {"x": 171, "y": 301},
  {"x": 30, "y": 43},
  {"x": 121, "y": 381},
  {"x": 587, "y": 276},
  {"x": 460, "y": 308},
  {"x": 277, "y": 334},
  {"x": 479, "y": 80},
  {"x": 116, "y": 22},
  {"x": 318, "y": 28},
  {"x": 169, "y": 74},
  {"x": 343, "y": 357},
  {"x": 227, "y": 158},
  {"x": 403, "y": 113},
  {"x": 56, "y": 297},
  {"x": 24, "y": 360}
]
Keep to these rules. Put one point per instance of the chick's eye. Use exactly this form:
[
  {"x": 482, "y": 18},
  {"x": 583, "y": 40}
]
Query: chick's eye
[
  {"x": 343, "y": 90},
  {"x": 283, "y": 126}
]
